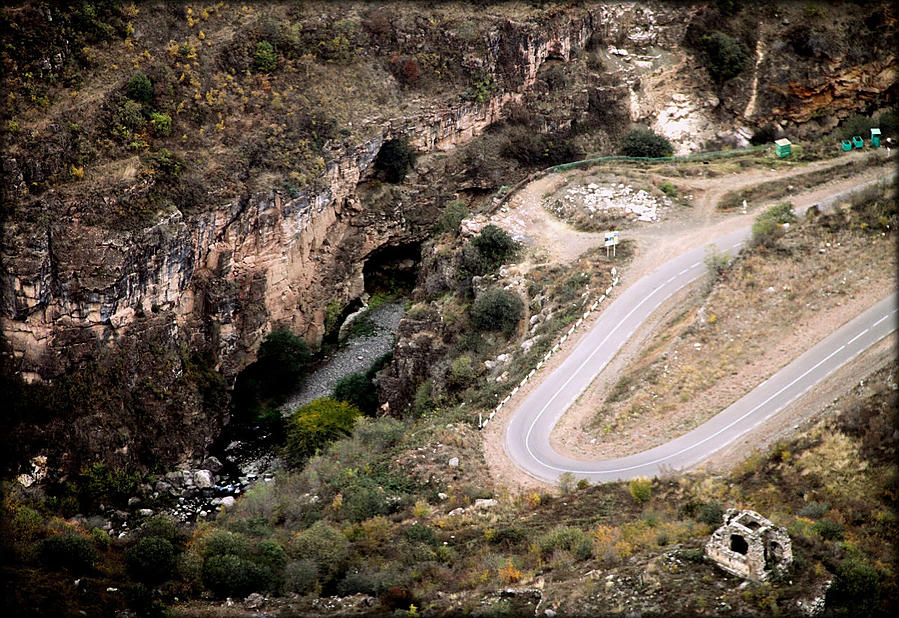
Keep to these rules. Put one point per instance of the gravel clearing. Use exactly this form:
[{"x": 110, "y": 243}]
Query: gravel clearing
[{"x": 356, "y": 354}]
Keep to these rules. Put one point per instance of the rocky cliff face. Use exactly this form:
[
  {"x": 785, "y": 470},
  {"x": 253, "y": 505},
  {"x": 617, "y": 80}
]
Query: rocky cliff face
[
  {"x": 223, "y": 278},
  {"x": 218, "y": 278}
]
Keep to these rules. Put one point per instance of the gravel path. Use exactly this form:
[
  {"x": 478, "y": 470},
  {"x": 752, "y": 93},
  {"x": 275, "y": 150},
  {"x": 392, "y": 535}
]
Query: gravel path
[{"x": 356, "y": 354}]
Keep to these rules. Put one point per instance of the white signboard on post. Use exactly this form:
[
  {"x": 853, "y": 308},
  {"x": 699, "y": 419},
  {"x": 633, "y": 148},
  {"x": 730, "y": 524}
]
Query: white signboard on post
[{"x": 611, "y": 239}]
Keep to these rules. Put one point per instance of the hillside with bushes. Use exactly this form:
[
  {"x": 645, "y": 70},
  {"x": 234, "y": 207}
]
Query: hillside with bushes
[{"x": 199, "y": 199}]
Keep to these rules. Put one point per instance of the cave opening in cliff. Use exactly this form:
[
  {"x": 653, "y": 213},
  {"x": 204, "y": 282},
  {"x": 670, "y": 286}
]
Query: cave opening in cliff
[{"x": 392, "y": 269}]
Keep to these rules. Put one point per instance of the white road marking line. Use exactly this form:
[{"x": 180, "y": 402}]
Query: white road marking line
[
  {"x": 608, "y": 335},
  {"x": 884, "y": 318},
  {"x": 723, "y": 429},
  {"x": 707, "y": 438},
  {"x": 857, "y": 336}
]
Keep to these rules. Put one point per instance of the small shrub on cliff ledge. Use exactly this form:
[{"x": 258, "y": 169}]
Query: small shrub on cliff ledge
[
  {"x": 160, "y": 124},
  {"x": 725, "y": 57},
  {"x": 495, "y": 244}
]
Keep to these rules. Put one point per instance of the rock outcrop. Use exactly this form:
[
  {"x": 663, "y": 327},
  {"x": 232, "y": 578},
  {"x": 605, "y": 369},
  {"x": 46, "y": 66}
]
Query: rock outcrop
[
  {"x": 222, "y": 278},
  {"x": 213, "y": 280}
]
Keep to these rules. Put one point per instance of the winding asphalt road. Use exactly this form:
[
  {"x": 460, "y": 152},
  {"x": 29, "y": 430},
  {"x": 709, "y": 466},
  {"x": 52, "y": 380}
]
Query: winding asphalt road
[{"x": 528, "y": 431}]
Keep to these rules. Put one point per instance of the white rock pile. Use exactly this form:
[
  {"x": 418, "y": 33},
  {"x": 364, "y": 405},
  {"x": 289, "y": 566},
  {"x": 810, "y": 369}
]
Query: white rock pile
[{"x": 611, "y": 200}]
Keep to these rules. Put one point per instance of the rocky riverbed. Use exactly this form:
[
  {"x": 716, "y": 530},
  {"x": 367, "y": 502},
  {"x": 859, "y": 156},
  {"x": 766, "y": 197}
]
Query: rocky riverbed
[
  {"x": 356, "y": 354},
  {"x": 200, "y": 489}
]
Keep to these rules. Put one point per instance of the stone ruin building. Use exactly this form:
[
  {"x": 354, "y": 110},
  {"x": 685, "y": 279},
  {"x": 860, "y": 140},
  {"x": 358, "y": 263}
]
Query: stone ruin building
[{"x": 750, "y": 546}]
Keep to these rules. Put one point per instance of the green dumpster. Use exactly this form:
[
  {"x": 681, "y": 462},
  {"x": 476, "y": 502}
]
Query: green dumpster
[
  {"x": 847, "y": 145},
  {"x": 875, "y": 138},
  {"x": 857, "y": 141},
  {"x": 782, "y": 148}
]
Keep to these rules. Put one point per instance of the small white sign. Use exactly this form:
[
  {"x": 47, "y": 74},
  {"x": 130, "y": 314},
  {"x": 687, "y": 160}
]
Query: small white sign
[{"x": 611, "y": 239}]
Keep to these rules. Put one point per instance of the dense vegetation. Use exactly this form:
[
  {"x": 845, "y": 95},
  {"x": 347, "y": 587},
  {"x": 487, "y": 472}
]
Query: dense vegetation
[{"x": 221, "y": 101}]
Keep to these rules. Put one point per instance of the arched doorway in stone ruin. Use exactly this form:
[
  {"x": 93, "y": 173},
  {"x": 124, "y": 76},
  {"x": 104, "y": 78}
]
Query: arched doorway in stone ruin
[{"x": 739, "y": 544}]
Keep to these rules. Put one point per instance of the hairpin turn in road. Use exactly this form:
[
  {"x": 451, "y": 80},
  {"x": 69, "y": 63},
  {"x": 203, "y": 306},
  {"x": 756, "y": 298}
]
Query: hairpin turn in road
[{"x": 528, "y": 431}]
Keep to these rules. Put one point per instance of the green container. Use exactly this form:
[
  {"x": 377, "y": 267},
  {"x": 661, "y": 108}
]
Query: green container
[
  {"x": 875, "y": 138},
  {"x": 782, "y": 148},
  {"x": 857, "y": 141},
  {"x": 847, "y": 145}
]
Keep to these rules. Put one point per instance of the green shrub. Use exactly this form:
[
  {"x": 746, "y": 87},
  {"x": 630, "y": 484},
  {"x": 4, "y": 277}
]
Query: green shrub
[
  {"x": 461, "y": 374},
  {"x": 364, "y": 500},
  {"x": 168, "y": 163},
  {"x": 531, "y": 148},
  {"x": 855, "y": 587},
  {"x": 265, "y": 57},
  {"x": 160, "y": 124},
  {"x": 724, "y": 56},
  {"x": 221, "y": 542},
  {"x": 281, "y": 362},
  {"x": 395, "y": 159},
  {"x": 567, "y": 538},
  {"x": 356, "y": 389},
  {"x": 366, "y": 582},
  {"x": 814, "y": 510},
  {"x": 68, "y": 551},
  {"x": 421, "y": 533},
  {"x": 566, "y": 482},
  {"x": 856, "y": 125},
  {"x": 423, "y": 400},
  {"x": 766, "y": 228},
  {"x": 230, "y": 575},
  {"x": 317, "y": 424},
  {"x": 324, "y": 545},
  {"x": 888, "y": 122},
  {"x": 481, "y": 88},
  {"x": 100, "y": 485},
  {"x": 645, "y": 143},
  {"x": 828, "y": 529},
  {"x": 641, "y": 490},
  {"x": 273, "y": 559},
  {"x": 380, "y": 434},
  {"x": 716, "y": 262},
  {"x": 668, "y": 189},
  {"x": 497, "y": 309},
  {"x": 151, "y": 560},
  {"x": 494, "y": 244},
  {"x": 162, "y": 526},
  {"x": 301, "y": 576},
  {"x": 26, "y": 525},
  {"x": 139, "y": 88},
  {"x": 131, "y": 116},
  {"x": 451, "y": 217},
  {"x": 100, "y": 538},
  {"x": 711, "y": 513}
]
